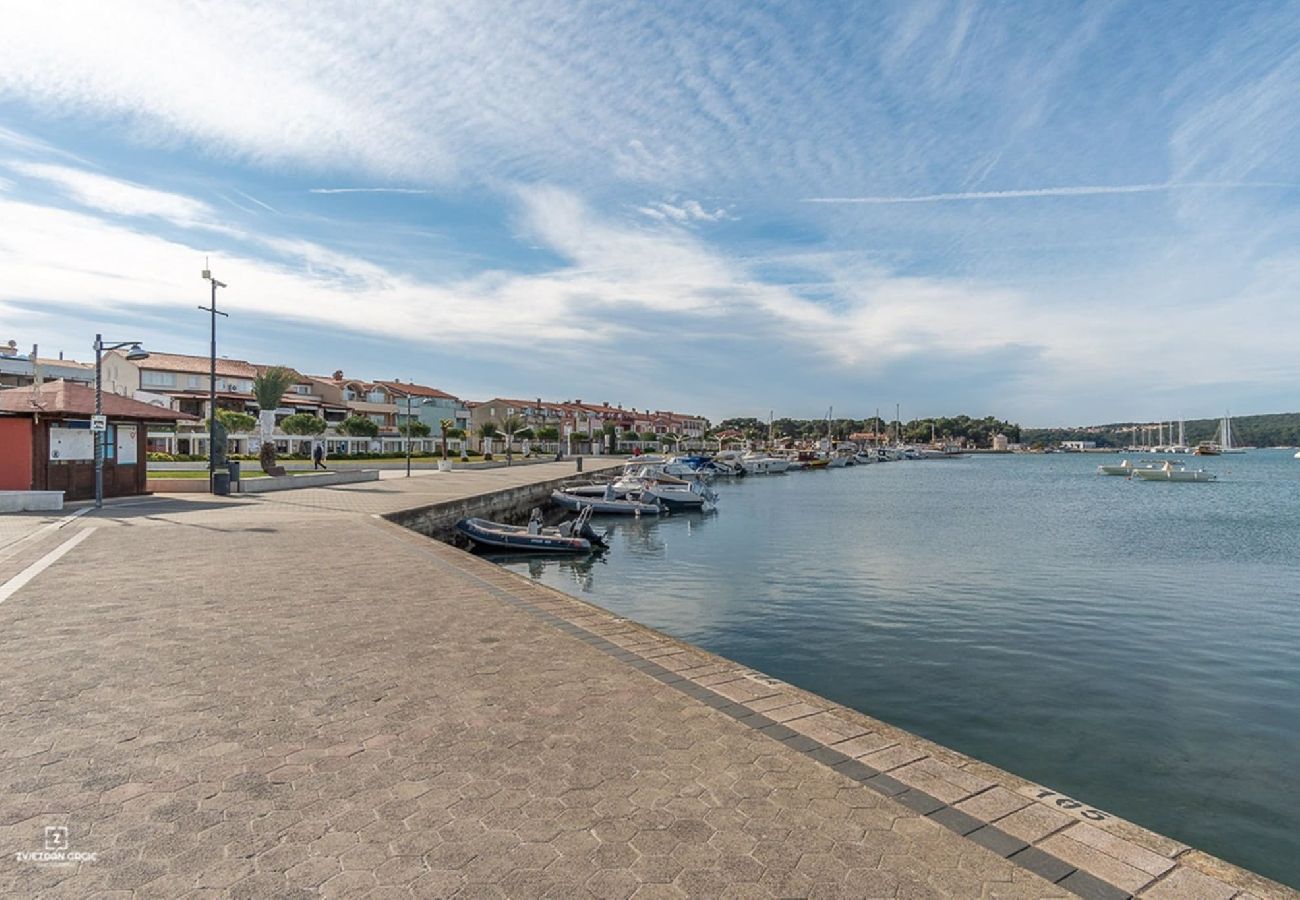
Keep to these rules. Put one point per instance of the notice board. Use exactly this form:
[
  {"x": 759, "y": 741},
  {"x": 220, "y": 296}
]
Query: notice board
[
  {"x": 126, "y": 445},
  {"x": 71, "y": 443}
]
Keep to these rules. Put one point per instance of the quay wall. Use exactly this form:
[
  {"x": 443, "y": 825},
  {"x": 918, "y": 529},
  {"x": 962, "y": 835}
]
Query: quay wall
[{"x": 510, "y": 505}]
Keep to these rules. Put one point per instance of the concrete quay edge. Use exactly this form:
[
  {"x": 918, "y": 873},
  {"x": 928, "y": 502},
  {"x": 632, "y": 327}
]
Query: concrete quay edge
[{"x": 1086, "y": 850}]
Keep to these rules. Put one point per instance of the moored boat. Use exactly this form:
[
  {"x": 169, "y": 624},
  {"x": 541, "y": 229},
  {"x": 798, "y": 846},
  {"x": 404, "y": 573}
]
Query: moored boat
[
  {"x": 576, "y": 536},
  {"x": 606, "y": 505},
  {"x": 1170, "y": 472}
]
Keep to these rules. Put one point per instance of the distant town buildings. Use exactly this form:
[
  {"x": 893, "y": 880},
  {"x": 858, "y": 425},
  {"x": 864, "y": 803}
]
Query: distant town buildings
[{"x": 181, "y": 383}]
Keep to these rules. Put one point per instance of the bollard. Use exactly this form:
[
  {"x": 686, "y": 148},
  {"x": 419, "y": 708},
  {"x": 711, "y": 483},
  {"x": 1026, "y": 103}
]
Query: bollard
[{"x": 579, "y": 463}]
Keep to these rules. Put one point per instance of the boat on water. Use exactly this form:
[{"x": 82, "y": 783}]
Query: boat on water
[
  {"x": 1127, "y": 468},
  {"x": 1171, "y": 472},
  {"x": 575, "y": 536},
  {"x": 607, "y": 505},
  {"x": 756, "y": 463},
  {"x": 1222, "y": 442},
  {"x": 693, "y": 497},
  {"x": 1297, "y": 455}
]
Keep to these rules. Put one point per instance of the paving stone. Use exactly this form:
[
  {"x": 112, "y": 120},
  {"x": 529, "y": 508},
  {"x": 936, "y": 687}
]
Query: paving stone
[
  {"x": 997, "y": 840},
  {"x": 1187, "y": 884},
  {"x": 1042, "y": 863},
  {"x": 919, "y": 801},
  {"x": 1034, "y": 822},
  {"x": 863, "y": 744},
  {"x": 1095, "y": 862},
  {"x": 956, "y": 820},
  {"x": 463, "y": 742},
  {"x": 1091, "y": 887},
  {"x": 993, "y": 804}
]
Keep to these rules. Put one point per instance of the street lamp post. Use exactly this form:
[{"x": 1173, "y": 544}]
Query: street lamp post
[
  {"x": 212, "y": 383},
  {"x": 134, "y": 354},
  {"x": 408, "y": 435}
]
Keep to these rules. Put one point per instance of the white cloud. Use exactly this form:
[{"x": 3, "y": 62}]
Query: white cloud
[
  {"x": 122, "y": 198},
  {"x": 682, "y": 212}
]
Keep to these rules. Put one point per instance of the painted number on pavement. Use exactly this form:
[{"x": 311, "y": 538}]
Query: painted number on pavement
[{"x": 1067, "y": 804}]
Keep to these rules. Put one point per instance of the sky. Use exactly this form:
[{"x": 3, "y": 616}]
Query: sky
[{"x": 1055, "y": 213}]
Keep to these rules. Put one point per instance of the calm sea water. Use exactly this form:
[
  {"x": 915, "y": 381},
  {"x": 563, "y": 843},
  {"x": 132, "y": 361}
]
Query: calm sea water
[{"x": 1133, "y": 644}]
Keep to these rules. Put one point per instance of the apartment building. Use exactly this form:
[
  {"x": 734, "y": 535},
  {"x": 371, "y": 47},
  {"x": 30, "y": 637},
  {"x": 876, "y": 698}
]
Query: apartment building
[{"x": 22, "y": 369}]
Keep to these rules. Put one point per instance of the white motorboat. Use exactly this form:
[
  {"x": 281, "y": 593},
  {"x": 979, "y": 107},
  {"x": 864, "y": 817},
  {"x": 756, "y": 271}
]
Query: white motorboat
[
  {"x": 1297, "y": 455},
  {"x": 864, "y": 457},
  {"x": 837, "y": 461},
  {"x": 608, "y": 505},
  {"x": 693, "y": 497},
  {"x": 1170, "y": 472},
  {"x": 756, "y": 463},
  {"x": 1126, "y": 468}
]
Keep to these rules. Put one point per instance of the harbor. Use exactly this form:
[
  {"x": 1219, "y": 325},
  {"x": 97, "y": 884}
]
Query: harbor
[{"x": 414, "y": 719}]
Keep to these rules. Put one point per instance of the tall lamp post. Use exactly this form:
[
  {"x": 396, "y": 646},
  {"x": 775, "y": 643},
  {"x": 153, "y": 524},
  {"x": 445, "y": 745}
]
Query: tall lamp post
[
  {"x": 212, "y": 383},
  {"x": 135, "y": 353}
]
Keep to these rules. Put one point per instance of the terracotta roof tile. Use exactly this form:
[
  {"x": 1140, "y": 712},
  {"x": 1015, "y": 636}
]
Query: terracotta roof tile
[
  {"x": 177, "y": 362},
  {"x": 73, "y": 398}
]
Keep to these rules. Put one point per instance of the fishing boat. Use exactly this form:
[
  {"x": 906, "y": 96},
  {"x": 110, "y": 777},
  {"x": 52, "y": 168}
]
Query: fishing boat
[
  {"x": 607, "y": 505},
  {"x": 1170, "y": 472},
  {"x": 576, "y": 536}
]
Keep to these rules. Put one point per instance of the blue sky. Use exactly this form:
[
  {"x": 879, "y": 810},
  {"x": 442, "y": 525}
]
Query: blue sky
[{"x": 1055, "y": 213}]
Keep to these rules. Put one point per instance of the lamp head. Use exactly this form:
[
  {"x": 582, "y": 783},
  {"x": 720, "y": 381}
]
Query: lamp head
[{"x": 137, "y": 353}]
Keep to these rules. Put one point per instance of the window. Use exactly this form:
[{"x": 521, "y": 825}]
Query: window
[
  {"x": 194, "y": 381},
  {"x": 302, "y": 388},
  {"x": 158, "y": 379},
  {"x": 376, "y": 397}
]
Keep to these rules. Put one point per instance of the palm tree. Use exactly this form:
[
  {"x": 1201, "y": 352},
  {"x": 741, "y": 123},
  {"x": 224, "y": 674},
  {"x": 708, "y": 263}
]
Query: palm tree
[
  {"x": 445, "y": 425},
  {"x": 670, "y": 438},
  {"x": 268, "y": 389},
  {"x": 511, "y": 426}
]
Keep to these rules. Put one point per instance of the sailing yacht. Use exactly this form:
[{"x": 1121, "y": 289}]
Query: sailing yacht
[{"x": 1222, "y": 442}]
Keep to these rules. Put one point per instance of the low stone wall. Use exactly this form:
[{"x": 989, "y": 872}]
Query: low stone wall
[
  {"x": 260, "y": 485},
  {"x": 509, "y": 505},
  {"x": 293, "y": 482},
  {"x": 31, "y": 501}
]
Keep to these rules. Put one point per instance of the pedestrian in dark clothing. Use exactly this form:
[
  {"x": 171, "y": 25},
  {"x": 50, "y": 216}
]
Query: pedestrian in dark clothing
[{"x": 318, "y": 457}]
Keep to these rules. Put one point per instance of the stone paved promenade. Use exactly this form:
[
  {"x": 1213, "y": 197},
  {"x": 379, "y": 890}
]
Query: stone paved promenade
[{"x": 284, "y": 695}]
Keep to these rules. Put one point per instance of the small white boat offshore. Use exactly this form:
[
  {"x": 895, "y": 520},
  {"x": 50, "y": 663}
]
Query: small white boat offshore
[
  {"x": 1297, "y": 455},
  {"x": 1127, "y": 468},
  {"x": 1170, "y": 472},
  {"x": 608, "y": 505}
]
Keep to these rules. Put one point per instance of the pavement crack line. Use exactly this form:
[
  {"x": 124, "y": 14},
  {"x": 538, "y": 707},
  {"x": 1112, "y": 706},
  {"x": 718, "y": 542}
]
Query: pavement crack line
[{"x": 11, "y": 587}]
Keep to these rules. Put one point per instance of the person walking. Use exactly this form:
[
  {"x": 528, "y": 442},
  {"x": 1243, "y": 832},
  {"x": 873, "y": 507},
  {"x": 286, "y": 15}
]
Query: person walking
[{"x": 318, "y": 457}]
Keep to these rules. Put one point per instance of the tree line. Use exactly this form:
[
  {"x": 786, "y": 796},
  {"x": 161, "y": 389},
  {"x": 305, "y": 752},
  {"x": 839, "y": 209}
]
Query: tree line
[
  {"x": 1270, "y": 430},
  {"x": 976, "y": 432}
]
